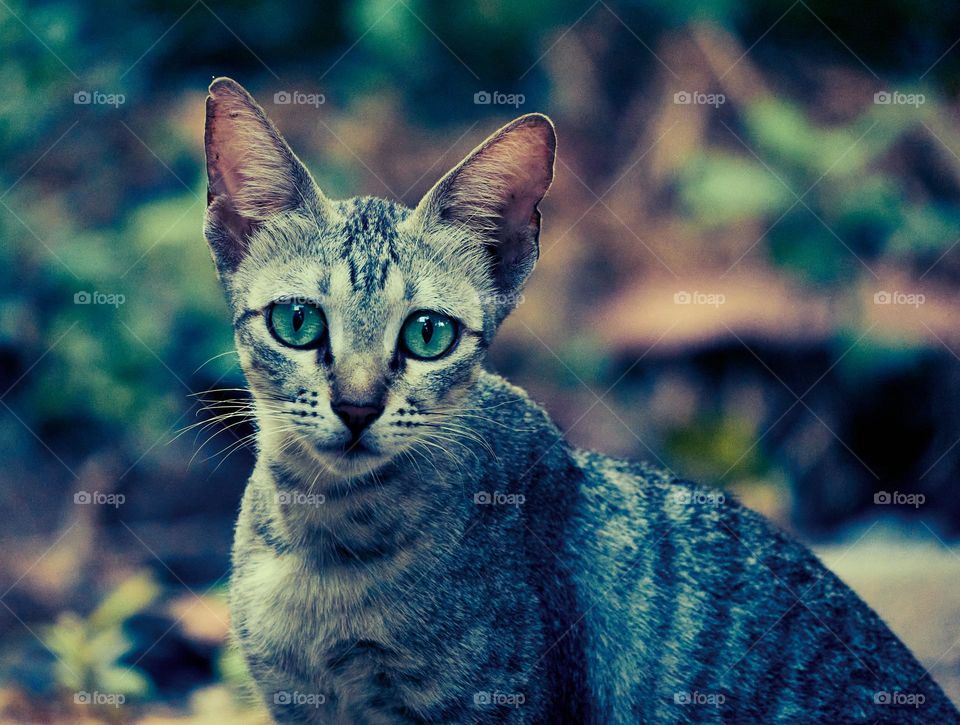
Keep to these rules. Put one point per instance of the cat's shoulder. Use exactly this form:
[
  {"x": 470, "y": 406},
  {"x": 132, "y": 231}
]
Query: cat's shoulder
[
  {"x": 509, "y": 404},
  {"x": 642, "y": 499}
]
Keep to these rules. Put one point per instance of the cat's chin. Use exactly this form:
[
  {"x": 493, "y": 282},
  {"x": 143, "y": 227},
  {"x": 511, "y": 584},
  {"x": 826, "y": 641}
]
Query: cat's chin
[{"x": 347, "y": 462}]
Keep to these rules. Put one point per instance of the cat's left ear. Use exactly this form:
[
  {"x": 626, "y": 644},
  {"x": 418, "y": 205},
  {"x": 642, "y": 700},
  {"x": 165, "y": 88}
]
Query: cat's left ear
[
  {"x": 252, "y": 175},
  {"x": 491, "y": 197}
]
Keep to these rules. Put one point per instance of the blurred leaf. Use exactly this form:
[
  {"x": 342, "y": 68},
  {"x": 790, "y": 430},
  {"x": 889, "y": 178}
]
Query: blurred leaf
[
  {"x": 934, "y": 227},
  {"x": 132, "y": 595},
  {"x": 809, "y": 250},
  {"x": 713, "y": 445},
  {"x": 722, "y": 189},
  {"x": 785, "y": 137},
  {"x": 89, "y": 651}
]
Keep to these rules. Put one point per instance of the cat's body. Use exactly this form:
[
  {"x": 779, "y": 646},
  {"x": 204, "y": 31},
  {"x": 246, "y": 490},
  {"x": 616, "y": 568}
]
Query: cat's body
[
  {"x": 417, "y": 542},
  {"x": 587, "y": 590}
]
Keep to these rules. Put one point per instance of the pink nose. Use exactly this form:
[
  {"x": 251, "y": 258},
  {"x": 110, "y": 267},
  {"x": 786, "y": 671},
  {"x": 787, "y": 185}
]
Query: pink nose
[{"x": 357, "y": 416}]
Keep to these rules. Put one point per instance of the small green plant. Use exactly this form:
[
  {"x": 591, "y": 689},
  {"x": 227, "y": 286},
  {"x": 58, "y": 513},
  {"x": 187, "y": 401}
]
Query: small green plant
[{"x": 89, "y": 649}]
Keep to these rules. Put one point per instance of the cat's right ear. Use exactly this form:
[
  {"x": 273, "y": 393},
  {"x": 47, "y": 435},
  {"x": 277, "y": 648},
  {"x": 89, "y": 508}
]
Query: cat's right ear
[
  {"x": 252, "y": 174},
  {"x": 488, "y": 205}
]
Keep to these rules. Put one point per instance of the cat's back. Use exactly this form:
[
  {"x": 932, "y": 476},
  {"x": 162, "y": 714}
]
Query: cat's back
[
  {"x": 700, "y": 610},
  {"x": 683, "y": 604}
]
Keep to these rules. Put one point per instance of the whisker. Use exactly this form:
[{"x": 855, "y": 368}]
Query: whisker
[{"x": 228, "y": 352}]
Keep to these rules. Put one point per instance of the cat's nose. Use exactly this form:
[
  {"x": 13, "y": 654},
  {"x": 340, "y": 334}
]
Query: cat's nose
[{"x": 356, "y": 416}]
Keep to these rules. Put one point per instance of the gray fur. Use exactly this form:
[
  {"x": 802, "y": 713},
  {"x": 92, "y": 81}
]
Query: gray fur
[{"x": 391, "y": 589}]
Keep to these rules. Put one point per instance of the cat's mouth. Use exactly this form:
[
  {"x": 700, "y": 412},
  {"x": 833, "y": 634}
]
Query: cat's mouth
[
  {"x": 351, "y": 458},
  {"x": 351, "y": 449}
]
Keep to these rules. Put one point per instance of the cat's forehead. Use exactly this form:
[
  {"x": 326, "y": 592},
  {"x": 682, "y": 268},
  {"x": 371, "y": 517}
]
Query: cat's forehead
[
  {"x": 352, "y": 247},
  {"x": 363, "y": 234},
  {"x": 369, "y": 215},
  {"x": 359, "y": 255}
]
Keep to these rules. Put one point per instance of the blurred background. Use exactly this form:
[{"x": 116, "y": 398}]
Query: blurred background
[{"x": 748, "y": 276}]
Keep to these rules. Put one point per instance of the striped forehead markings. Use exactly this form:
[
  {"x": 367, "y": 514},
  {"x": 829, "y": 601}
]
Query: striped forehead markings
[{"x": 370, "y": 241}]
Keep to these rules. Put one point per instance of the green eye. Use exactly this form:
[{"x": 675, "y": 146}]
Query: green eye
[
  {"x": 297, "y": 324},
  {"x": 428, "y": 335}
]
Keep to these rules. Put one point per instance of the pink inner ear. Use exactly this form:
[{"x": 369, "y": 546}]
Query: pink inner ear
[
  {"x": 246, "y": 159},
  {"x": 228, "y": 179},
  {"x": 521, "y": 211},
  {"x": 504, "y": 180}
]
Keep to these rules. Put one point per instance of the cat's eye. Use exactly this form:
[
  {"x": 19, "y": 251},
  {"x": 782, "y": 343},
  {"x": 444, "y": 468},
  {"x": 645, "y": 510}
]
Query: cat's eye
[
  {"x": 428, "y": 335},
  {"x": 297, "y": 324}
]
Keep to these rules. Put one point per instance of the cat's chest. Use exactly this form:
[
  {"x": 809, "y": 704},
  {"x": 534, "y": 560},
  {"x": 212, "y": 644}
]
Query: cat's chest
[
  {"x": 328, "y": 635},
  {"x": 292, "y": 605},
  {"x": 309, "y": 581}
]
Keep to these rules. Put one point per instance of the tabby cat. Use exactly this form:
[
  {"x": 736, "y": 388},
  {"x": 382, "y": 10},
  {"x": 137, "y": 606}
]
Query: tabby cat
[{"x": 418, "y": 544}]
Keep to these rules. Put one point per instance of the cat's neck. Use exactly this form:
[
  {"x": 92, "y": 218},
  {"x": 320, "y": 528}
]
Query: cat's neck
[
  {"x": 292, "y": 468},
  {"x": 511, "y": 439},
  {"x": 312, "y": 503}
]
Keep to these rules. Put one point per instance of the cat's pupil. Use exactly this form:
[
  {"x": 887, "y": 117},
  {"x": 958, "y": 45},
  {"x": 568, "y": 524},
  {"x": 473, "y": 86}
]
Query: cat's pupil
[
  {"x": 427, "y": 330},
  {"x": 298, "y": 318}
]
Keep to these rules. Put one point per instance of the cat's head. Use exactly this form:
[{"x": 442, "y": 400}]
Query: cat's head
[{"x": 361, "y": 323}]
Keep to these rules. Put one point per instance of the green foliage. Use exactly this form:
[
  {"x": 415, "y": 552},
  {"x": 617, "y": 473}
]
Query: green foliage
[
  {"x": 89, "y": 649},
  {"x": 824, "y": 193},
  {"x": 717, "y": 445},
  {"x": 722, "y": 189}
]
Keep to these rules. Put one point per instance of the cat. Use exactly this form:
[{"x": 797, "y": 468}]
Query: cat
[{"x": 418, "y": 544}]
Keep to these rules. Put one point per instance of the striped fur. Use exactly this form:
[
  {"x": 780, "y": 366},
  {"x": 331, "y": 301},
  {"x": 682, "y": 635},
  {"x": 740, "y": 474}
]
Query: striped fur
[{"x": 472, "y": 567}]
